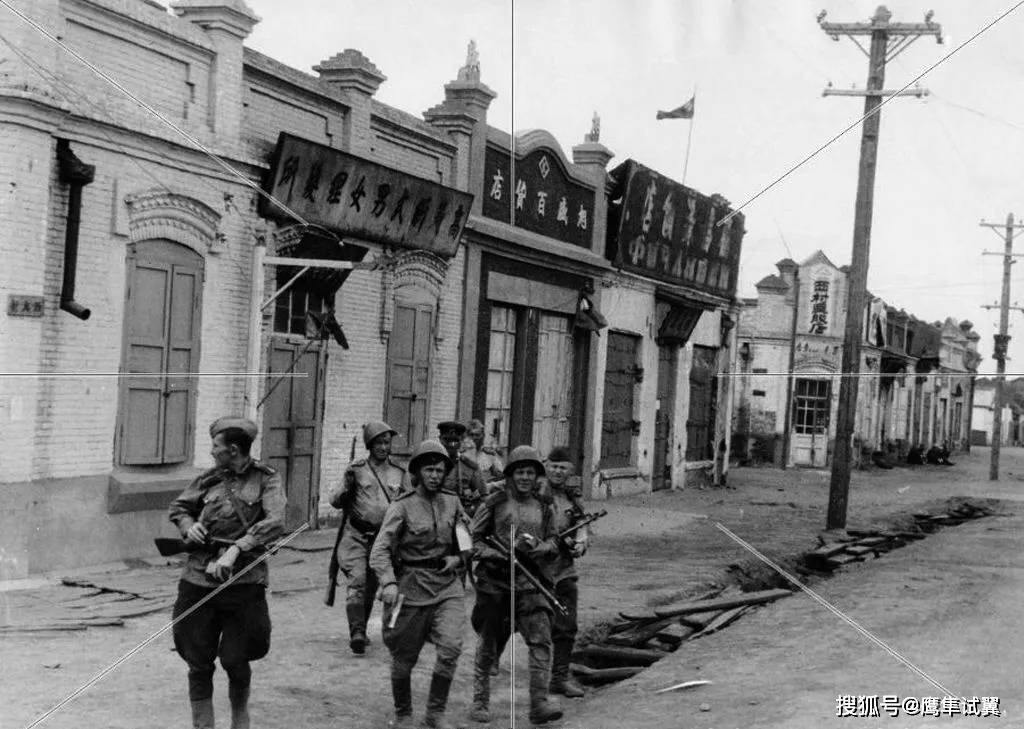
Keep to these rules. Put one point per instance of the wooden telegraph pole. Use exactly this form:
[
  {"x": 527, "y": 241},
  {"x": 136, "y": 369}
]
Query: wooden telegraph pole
[
  {"x": 1002, "y": 339},
  {"x": 887, "y": 41}
]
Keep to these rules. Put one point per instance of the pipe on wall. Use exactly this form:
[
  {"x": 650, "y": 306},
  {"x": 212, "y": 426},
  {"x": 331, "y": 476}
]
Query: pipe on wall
[{"x": 76, "y": 174}]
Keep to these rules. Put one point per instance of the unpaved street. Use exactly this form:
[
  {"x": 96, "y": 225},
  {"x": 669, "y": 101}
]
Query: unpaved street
[{"x": 948, "y": 603}]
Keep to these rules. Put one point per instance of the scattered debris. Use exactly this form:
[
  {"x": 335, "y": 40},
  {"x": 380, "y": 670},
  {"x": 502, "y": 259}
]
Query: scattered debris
[{"x": 683, "y": 685}]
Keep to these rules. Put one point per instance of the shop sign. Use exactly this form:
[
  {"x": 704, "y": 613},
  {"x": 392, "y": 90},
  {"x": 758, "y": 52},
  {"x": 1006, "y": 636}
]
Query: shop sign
[
  {"x": 362, "y": 199},
  {"x": 673, "y": 233},
  {"x": 545, "y": 199}
]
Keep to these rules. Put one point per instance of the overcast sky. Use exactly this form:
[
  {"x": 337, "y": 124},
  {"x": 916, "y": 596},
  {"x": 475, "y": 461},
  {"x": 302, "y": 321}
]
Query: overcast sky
[{"x": 758, "y": 68}]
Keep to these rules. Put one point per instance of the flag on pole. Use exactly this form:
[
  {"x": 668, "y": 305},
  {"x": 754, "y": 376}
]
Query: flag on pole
[{"x": 682, "y": 112}]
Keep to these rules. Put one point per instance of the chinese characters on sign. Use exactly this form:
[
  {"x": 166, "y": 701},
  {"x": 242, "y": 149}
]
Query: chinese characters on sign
[
  {"x": 19, "y": 305},
  {"x": 362, "y": 199},
  {"x": 675, "y": 234},
  {"x": 819, "y": 308},
  {"x": 867, "y": 706},
  {"x": 546, "y": 201}
]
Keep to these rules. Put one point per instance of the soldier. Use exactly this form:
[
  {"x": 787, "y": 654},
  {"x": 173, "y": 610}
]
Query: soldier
[
  {"x": 368, "y": 487},
  {"x": 416, "y": 555},
  {"x": 568, "y": 510},
  {"x": 463, "y": 478},
  {"x": 239, "y": 499},
  {"x": 516, "y": 507},
  {"x": 486, "y": 457}
]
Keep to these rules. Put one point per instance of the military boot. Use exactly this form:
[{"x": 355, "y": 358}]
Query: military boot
[
  {"x": 356, "y": 628},
  {"x": 401, "y": 692},
  {"x": 481, "y": 708},
  {"x": 544, "y": 710},
  {"x": 561, "y": 680},
  {"x": 239, "y": 707},
  {"x": 437, "y": 700},
  {"x": 202, "y": 714}
]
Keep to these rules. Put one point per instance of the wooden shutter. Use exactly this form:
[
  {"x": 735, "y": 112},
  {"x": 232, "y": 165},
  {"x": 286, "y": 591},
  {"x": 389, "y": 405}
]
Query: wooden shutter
[
  {"x": 409, "y": 374},
  {"x": 619, "y": 387},
  {"x": 162, "y": 337}
]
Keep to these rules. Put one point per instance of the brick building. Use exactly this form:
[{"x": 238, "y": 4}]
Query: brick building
[
  {"x": 918, "y": 376},
  {"x": 169, "y": 265}
]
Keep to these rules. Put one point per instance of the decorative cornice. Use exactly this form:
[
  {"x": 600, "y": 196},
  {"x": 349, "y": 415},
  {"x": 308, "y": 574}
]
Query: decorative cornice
[{"x": 163, "y": 213}]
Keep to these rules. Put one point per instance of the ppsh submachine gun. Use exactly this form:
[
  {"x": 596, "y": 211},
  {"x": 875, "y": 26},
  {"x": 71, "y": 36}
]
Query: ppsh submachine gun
[
  {"x": 528, "y": 569},
  {"x": 169, "y": 546},
  {"x": 583, "y": 521}
]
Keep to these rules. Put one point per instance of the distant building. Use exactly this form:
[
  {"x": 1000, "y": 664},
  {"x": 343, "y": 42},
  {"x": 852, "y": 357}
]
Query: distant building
[
  {"x": 983, "y": 420},
  {"x": 915, "y": 379}
]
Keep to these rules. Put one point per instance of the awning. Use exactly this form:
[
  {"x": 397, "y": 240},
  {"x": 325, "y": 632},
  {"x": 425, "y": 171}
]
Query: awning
[{"x": 678, "y": 325}]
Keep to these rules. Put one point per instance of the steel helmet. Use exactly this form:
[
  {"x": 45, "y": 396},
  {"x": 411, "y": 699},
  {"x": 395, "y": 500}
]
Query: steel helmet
[
  {"x": 428, "y": 449},
  {"x": 374, "y": 429},
  {"x": 524, "y": 455}
]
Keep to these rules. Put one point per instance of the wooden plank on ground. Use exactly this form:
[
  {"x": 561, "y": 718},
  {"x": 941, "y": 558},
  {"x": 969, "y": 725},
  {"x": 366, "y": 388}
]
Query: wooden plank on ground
[
  {"x": 859, "y": 551},
  {"x": 727, "y": 617},
  {"x": 722, "y": 603},
  {"x": 871, "y": 541},
  {"x": 597, "y": 676},
  {"x": 675, "y": 634},
  {"x": 639, "y": 634}
]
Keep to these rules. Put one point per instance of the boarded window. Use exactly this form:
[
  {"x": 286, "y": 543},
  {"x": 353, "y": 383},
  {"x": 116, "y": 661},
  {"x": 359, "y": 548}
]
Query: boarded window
[
  {"x": 619, "y": 390},
  {"x": 165, "y": 282},
  {"x": 701, "y": 418},
  {"x": 409, "y": 374}
]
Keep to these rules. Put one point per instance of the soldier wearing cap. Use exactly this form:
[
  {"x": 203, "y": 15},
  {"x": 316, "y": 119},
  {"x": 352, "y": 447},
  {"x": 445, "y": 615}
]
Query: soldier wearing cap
[
  {"x": 463, "y": 478},
  {"x": 242, "y": 500},
  {"x": 417, "y": 556},
  {"x": 368, "y": 487},
  {"x": 568, "y": 510},
  {"x": 517, "y": 509}
]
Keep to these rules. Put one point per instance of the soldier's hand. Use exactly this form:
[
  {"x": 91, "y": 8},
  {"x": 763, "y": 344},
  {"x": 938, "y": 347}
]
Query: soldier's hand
[
  {"x": 451, "y": 563},
  {"x": 579, "y": 548},
  {"x": 196, "y": 533},
  {"x": 389, "y": 593},
  {"x": 221, "y": 568},
  {"x": 526, "y": 542}
]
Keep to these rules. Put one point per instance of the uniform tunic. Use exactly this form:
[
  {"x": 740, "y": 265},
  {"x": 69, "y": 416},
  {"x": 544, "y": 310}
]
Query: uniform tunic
[
  {"x": 465, "y": 481},
  {"x": 214, "y": 499},
  {"x": 500, "y": 515}
]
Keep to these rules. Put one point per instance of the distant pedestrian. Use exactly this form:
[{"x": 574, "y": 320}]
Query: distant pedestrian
[
  {"x": 240, "y": 500},
  {"x": 486, "y": 457},
  {"x": 417, "y": 559},
  {"x": 464, "y": 478},
  {"x": 368, "y": 487}
]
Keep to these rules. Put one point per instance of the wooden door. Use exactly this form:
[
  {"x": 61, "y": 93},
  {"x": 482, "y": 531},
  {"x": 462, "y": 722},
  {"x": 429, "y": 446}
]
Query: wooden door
[
  {"x": 162, "y": 333},
  {"x": 661, "y": 476},
  {"x": 500, "y": 377},
  {"x": 292, "y": 422},
  {"x": 700, "y": 423},
  {"x": 617, "y": 420},
  {"x": 409, "y": 375},
  {"x": 553, "y": 399}
]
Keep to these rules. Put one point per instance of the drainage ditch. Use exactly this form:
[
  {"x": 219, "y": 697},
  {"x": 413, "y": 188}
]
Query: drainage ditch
[{"x": 623, "y": 648}]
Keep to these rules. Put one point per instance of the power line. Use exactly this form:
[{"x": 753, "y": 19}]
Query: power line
[{"x": 858, "y": 122}]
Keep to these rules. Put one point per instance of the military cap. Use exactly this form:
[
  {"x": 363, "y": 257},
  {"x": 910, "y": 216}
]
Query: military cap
[
  {"x": 221, "y": 424},
  {"x": 375, "y": 429},
  {"x": 560, "y": 454},
  {"x": 450, "y": 426}
]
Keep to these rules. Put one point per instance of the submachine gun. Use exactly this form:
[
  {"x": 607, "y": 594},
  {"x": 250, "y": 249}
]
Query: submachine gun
[{"x": 544, "y": 587}]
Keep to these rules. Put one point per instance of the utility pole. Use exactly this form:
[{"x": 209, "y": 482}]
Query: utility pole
[
  {"x": 887, "y": 41},
  {"x": 1002, "y": 340}
]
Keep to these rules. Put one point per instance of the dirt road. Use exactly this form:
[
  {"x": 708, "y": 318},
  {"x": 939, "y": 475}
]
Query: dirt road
[{"x": 650, "y": 550}]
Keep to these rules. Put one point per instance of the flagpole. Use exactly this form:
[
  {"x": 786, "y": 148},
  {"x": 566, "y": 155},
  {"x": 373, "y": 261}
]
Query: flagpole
[{"x": 689, "y": 136}]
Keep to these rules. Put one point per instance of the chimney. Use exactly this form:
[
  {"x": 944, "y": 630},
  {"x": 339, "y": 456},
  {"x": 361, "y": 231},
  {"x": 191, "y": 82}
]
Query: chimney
[
  {"x": 354, "y": 78},
  {"x": 228, "y": 24}
]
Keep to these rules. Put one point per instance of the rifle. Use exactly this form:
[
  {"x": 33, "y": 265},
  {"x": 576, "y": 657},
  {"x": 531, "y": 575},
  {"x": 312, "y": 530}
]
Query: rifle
[
  {"x": 168, "y": 546},
  {"x": 334, "y": 566},
  {"x": 530, "y": 577},
  {"x": 586, "y": 519}
]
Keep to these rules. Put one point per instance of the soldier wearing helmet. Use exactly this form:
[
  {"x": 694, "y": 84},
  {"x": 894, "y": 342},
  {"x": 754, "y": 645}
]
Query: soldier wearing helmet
[
  {"x": 417, "y": 556},
  {"x": 464, "y": 478},
  {"x": 517, "y": 510},
  {"x": 369, "y": 485}
]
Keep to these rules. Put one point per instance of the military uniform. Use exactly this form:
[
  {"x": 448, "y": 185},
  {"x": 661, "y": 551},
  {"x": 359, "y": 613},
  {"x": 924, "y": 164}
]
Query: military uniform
[
  {"x": 417, "y": 535},
  {"x": 246, "y": 506},
  {"x": 466, "y": 481},
  {"x": 567, "y": 511},
  {"x": 365, "y": 494},
  {"x": 502, "y": 513}
]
